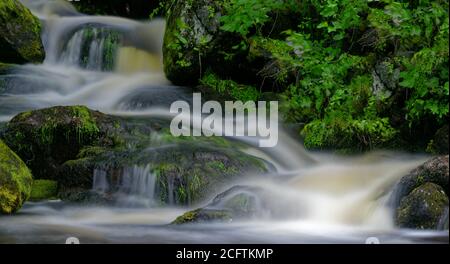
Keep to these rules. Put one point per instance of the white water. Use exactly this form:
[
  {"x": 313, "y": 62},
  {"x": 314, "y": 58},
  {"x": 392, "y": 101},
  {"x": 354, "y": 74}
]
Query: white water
[{"x": 314, "y": 197}]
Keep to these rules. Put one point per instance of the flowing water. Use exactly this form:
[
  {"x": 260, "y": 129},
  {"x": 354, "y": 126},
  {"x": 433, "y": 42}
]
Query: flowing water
[{"x": 114, "y": 65}]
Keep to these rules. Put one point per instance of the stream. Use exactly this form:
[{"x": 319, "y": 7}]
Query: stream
[{"x": 114, "y": 65}]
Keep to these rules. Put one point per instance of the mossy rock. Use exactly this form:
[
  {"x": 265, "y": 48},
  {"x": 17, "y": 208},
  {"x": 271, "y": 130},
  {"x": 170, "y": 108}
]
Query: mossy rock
[
  {"x": 47, "y": 138},
  {"x": 67, "y": 144},
  {"x": 20, "y": 34},
  {"x": 423, "y": 208},
  {"x": 186, "y": 173},
  {"x": 44, "y": 190},
  {"x": 203, "y": 215},
  {"x": 238, "y": 202},
  {"x": 435, "y": 170},
  {"x": 15, "y": 181}
]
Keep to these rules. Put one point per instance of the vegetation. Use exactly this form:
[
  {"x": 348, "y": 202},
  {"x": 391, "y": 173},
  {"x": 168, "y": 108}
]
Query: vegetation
[
  {"x": 359, "y": 74},
  {"x": 44, "y": 190}
]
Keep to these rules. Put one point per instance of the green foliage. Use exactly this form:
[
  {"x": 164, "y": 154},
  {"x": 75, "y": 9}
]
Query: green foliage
[
  {"x": 243, "y": 15},
  {"x": 230, "y": 88},
  {"x": 43, "y": 189}
]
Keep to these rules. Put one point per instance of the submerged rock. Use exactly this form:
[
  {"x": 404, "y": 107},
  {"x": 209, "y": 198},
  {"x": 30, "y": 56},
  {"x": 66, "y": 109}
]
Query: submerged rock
[
  {"x": 203, "y": 215},
  {"x": 20, "y": 39},
  {"x": 236, "y": 202},
  {"x": 423, "y": 208},
  {"x": 15, "y": 181},
  {"x": 419, "y": 198}
]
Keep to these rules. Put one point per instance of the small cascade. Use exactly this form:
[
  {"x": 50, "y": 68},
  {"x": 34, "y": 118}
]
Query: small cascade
[
  {"x": 93, "y": 48},
  {"x": 134, "y": 187}
]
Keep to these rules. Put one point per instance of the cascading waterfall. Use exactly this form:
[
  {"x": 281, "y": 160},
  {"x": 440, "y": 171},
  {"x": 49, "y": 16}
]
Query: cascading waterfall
[
  {"x": 114, "y": 65},
  {"x": 135, "y": 186}
]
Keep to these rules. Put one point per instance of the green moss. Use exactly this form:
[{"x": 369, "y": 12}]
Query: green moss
[
  {"x": 423, "y": 208},
  {"x": 44, "y": 190},
  {"x": 19, "y": 34},
  {"x": 15, "y": 181},
  {"x": 203, "y": 215},
  {"x": 229, "y": 88}
]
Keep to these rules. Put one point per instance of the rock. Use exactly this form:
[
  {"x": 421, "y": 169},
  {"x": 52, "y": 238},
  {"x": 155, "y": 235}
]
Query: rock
[
  {"x": 195, "y": 42},
  {"x": 439, "y": 143},
  {"x": 423, "y": 208},
  {"x": 435, "y": 170},
  {"x": 186, "y": 173},
  {"x": 192, "y": 34},
  {"x": 68, "y": 144},
  {"x": 20, "y": 30},
  {"x": 43, "y": 190},
  {"x": 203, "y": 215},
  {"x": 15, "y": 181},
  {"x": 237, "y": 202},
  {"x": 47, "y": 138}
]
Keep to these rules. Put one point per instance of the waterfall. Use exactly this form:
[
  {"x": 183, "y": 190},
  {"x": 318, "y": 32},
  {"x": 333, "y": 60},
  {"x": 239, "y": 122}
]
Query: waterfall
[
  {"x": 92, "y": 48},
  {"x": 135, "y": 186}
]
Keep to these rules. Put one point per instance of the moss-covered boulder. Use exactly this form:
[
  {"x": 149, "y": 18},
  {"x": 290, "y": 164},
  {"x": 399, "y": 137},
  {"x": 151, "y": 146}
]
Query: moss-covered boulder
[
  {"x": 20, "y": 39},
  {"x": 15, "y": 181},
  {"x": 428, "y": 180},
  {"x": 44, "y": 190},
  {"x": 47, "y": 138},
  {"x": 435, "y": 170},
  {"x": 423, "y": 208},
  {"x": 69, "y": 144},
  {"x": 185, "y": 173}
]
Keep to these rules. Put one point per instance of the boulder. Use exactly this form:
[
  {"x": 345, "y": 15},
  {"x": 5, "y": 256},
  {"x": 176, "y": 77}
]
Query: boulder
[
  {"x": 68, "y": 144},
  {"x": 15, "y": 181},
  {"x": 429, "y": 182},
  {"x": 47, "y": 138},
  {"x": 423, "y": 208},
  {"x": 20, "y": 39}
]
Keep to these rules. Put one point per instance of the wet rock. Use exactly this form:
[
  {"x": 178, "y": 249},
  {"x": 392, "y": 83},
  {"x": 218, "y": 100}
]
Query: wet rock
[
  {"x": 436, "y": 172},
  {"x": 20, "y": 39},
  {"x": 423, "y": 208},
  {"x": 203, "y": 215},
  {"x": 67, "y": 144},
  {"x": 47, "y": 138},
  {"x": 15, "y": 181},
  {"x": 237, "y": 202}
]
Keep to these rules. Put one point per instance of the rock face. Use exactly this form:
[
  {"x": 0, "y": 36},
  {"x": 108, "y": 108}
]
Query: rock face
[
  {"x": 423, "y": 208},
  {"x": 69, "y": 144},
  {"x": 15, "y": 181},
  {"x": 20, "y": 40},
  {"x": 421, "y": 197}
]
